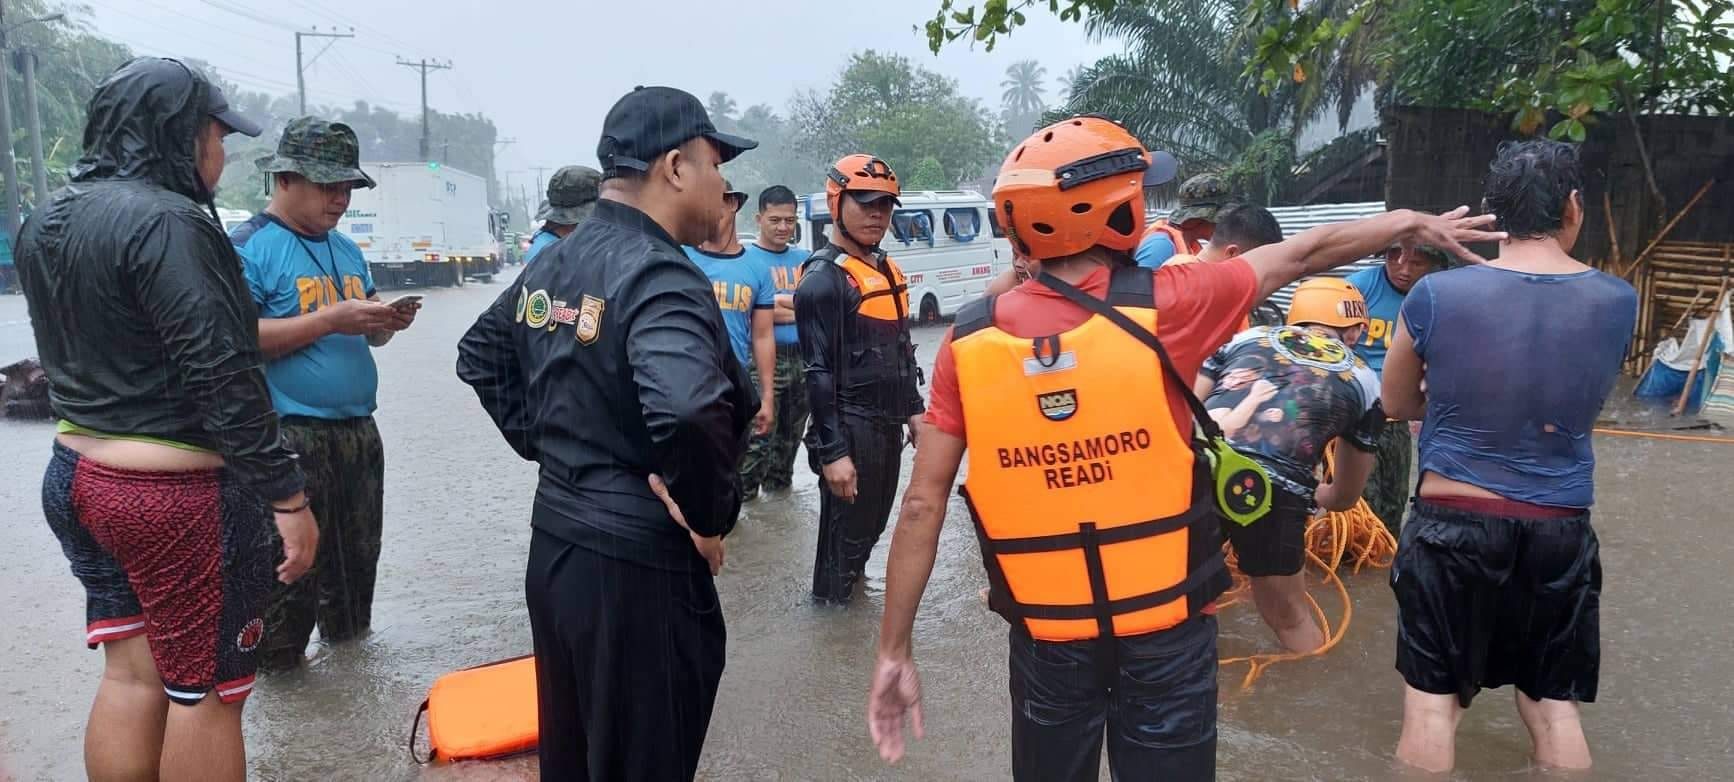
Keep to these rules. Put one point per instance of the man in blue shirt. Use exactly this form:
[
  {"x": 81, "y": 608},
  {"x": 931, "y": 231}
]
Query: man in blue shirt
[
  {"x": 319, "y": 317},
  {"x": 776, "y": 453},
  {"x": 1384, "y": 288},
  {"x": 572, "y": 194},
  {"x": 1498, "y": 576},
  {"x": 747, "y": 296}
]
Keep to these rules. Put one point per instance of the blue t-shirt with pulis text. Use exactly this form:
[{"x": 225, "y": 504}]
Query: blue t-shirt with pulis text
[
  {"x": 785, "y": 269},
  {"x": 290, "y": 275},
  {"x": 742, "y": 286}
]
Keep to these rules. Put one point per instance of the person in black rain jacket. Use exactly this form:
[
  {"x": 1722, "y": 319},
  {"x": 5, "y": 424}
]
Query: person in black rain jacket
[
  {"x": 608, "y": 363},
  {"x": 853, "y": 312},
  {"x": 167, "y": 448}
]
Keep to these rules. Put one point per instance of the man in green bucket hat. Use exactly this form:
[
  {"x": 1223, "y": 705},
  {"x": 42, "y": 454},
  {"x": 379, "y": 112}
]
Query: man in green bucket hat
[
  {"x": 1184, "y": 232},
  {"x": 319, "y": 319},
  {"x": 572, "y": 194}
]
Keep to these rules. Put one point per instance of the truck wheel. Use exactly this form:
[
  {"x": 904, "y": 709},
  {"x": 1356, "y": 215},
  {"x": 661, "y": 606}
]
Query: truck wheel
[
  {"x": 456, "y": 278},
  {"x": 929, "y": 309}
]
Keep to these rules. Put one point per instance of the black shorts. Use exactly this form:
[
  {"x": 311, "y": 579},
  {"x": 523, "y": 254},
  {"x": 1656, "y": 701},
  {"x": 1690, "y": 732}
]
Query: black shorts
[
  {"x": 1485, "y": 601},
  {"x": 183, "y": 558},
  {"x": 1275, "y": 545}
]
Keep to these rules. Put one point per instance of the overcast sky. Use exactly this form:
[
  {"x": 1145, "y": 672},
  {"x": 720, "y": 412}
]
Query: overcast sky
[{"x": 547, "y": 71}]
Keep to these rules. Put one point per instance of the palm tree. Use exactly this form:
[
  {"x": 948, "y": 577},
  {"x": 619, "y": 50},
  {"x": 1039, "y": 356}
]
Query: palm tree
[
  {"x": 1069, "y": 82},
  {"x": 720, "y": 106},
  {"x": 1023, "y": 88},
  {"x": 1180, "y": 83}
]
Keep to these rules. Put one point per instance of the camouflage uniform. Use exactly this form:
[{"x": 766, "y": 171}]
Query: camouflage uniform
[
  {"x": 345, "y": 465},
  {"x": 770, "y": 460},
  {"x": 572, "y": 194},
  {"x": 324, "y": 152},
  {"x": 1201, "y": 198},
  {"x": 344, "y": 460},
  {"x": 1388, "y": 489}
]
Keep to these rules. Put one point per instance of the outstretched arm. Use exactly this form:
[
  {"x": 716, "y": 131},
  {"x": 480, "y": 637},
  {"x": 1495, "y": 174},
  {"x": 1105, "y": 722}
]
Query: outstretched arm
[{"x": 1329, "y": 246}]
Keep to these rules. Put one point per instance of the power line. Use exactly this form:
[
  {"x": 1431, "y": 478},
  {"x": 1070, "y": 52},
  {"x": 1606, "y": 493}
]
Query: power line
[
  {"x": 203, "y": 23},
  {"x": 253, "y": 15}
]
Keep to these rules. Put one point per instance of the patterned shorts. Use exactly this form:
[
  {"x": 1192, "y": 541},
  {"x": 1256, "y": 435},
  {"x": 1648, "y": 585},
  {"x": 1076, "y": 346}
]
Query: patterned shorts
[{"x": 183, "y": 558}]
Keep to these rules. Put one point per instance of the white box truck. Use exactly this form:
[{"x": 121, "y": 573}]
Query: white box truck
[{"x": 425, "y": 224}]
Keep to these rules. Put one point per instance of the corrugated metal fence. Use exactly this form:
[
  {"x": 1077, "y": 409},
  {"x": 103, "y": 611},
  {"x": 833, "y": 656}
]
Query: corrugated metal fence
[{"x": 1295, "y": 219}]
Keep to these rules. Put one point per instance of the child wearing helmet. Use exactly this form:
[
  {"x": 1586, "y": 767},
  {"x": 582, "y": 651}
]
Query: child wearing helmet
[
  {"x": 1281, "y": 395},
  {"x": 1070, "y": 394}
]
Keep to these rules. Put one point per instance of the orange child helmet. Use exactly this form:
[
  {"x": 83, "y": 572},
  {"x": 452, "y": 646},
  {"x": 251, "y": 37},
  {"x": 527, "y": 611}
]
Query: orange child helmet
[
  {"x": 1327, "y": 301},
  {"x": 1077, "y": 184},
  {"x": 861, "y": 173}
]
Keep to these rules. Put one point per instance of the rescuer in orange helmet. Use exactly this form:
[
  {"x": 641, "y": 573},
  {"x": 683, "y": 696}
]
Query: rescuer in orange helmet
[
  {"x": 1093, "y": 507},
  {"x": 852, "y": 316}
]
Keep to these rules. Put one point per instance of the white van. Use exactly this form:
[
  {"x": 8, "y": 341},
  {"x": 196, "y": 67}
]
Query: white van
[{"x": 948, "y": 243}]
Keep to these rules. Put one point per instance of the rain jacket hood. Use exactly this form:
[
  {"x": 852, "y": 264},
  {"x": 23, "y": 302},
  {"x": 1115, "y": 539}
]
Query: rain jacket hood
[
  {"x": 144, "y": 123},
  {"x": 143, "y": 319}
]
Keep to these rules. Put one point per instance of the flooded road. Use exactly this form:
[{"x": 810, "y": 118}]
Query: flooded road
[{"x": 793, "y": 694}]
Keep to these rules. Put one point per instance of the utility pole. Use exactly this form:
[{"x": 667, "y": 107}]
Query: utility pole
[
  {"x": 8, "y": 166},
  {"x": 424, "y": 66},
  {"x": 33, "y": 117},
  {"x": 301, "y": 70},
  {"x": 539, "y": 190}
]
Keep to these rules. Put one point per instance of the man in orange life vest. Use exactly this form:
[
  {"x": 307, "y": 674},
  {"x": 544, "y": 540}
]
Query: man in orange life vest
[
  {"x": 852, "y": 315},
  {"x": 1092, "y": 506}
]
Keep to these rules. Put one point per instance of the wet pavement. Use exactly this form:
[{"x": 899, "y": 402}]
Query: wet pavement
[{"x": 793, "y": 694}]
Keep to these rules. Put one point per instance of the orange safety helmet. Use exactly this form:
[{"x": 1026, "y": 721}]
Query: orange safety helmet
[
  {"x": 858, "y": 172},
  {"x": 1327, "y": 301},
  {"x": 1073, "y": 185}
]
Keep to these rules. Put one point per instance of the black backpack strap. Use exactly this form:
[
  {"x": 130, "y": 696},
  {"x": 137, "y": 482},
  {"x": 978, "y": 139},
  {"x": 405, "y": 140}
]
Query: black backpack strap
[
  {"x": 1132, "y": 286},
  {"x": 1103, "y": 308},
  {"x": 415, "y": 732},
  {"x": 973, "y": 317}
]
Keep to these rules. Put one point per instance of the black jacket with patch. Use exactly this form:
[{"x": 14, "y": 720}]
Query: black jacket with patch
[
  {"x": 141, "y": 312},
  {"x": 608, "y": 362}
]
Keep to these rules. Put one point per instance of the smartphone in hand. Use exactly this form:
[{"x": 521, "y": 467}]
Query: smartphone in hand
[{"x": 404, "y": 302}]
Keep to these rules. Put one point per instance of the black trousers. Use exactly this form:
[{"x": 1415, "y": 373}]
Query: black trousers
[
  {"x": 1155, "y": 694},
  {"x": 848, "y": 531},
  {"x": 628, "y": 658}
]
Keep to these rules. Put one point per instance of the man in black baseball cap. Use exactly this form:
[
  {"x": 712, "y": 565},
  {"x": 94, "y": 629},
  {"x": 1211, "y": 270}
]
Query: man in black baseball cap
[{"x": 634, "y": 382}]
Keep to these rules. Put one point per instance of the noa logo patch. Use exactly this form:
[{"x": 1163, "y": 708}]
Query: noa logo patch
[{"x": 1058, "y": 405}]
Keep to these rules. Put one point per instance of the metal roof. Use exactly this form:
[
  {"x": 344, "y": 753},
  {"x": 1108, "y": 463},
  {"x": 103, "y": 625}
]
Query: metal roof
[{"x": 1295, "y": 219}]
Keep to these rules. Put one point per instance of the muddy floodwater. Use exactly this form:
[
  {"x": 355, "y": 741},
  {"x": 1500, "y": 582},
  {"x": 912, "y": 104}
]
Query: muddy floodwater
[{"x": 450, "y": 595}]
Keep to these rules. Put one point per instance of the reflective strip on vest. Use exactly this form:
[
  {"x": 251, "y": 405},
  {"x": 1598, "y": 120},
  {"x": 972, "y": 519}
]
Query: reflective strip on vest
[
  {"x": 1079, "y": 482},
  {"x": 882, "y": 297}
]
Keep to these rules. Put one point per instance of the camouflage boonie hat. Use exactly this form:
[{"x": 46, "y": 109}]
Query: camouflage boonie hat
[
  {"x": 324, "y": 152},
  {"x": 1201, "y": 197},
  {"x": 572, "y": 194}
]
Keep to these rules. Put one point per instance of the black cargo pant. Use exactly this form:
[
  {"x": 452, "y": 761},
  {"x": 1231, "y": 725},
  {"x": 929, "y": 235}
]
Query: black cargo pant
[
  {"x": 1155, "y": 695},
  {"x": 628, "y": 658},
  {"x": 344, "y": 461},
  {"x": 849, "y": 530}
]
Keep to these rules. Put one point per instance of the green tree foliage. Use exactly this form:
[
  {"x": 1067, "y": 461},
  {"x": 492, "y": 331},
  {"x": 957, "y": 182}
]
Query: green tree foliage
[
  {"x": 1180, "y": 86},
  {"x": 884, "y": 105},
  {"x": 928, "y": 175},
  {"x": 1552, "y": 64},
  {"x": 71, "y": 60}
]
